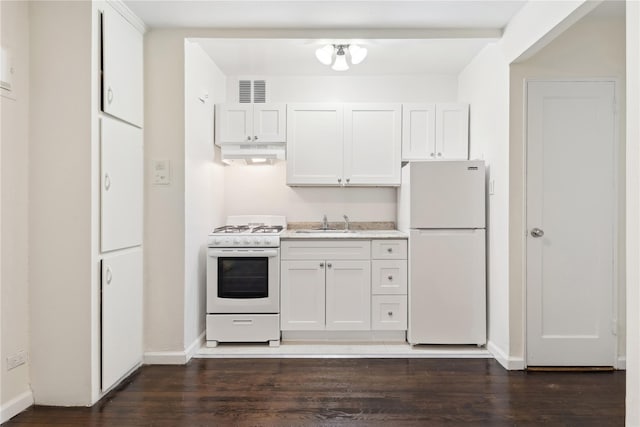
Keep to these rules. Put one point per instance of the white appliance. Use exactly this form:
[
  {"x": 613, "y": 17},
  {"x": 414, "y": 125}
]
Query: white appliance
[
  {"x": 243, "y": 280},
  {"x": 441, "y": 204}
]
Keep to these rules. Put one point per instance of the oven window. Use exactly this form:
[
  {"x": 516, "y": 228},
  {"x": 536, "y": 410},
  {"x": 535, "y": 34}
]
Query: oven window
[{"x": 243, "y": 277}]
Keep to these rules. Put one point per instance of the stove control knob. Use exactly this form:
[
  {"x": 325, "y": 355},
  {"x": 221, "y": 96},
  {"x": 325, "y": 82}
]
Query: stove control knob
[
  {"x": 236, "y": 241},
  {"x": 256, "y": 240},
  {"x": 246, "y": 241},
  {"x": 217, "y": 241}
]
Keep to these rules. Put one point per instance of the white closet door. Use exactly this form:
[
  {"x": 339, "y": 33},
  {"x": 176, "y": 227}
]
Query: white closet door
[
  {"x": 121, "y": 167},
  {"x": 122, "y": 67},
  {"x": 121, "y": 315}
]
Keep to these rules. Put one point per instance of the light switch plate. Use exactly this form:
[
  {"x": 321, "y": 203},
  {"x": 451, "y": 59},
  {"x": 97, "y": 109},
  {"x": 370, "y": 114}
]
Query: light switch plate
[{"x": 161, "y": 172}]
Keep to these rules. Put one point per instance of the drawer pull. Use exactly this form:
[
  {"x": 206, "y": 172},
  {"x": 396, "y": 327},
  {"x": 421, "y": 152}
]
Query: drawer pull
[
  {"x": 390, "y": 313},
  {"x": 389, "y": 250},
  {"x": 390, "y": 277},
  {"x": 329, "y": 264},
  {"x": 322, "y": 265},
  {"x": 242, "y": 322}
]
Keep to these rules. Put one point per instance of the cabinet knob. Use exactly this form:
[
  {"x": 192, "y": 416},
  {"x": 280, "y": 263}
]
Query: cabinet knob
[
  {"x": 339, "y": 180},
  {"x": 108, "y": 275},
  {"x": 439, "y": 154},
  {"x": 390, "y": 277},
  {"x": 109, "y": 95},
  {"x": 329, "y": 265},
  {"x": 107, "y": 182},
  {"x": 248, "y": 138},
  {"x": 390, "y": 313},
  {"x": 322, "y": 265},
  {"x": 255, "y": 138},
  {"x": 348, "y": 180},
  {"x": 433, "y": 154},
  {"x": 389, "y": 250}
]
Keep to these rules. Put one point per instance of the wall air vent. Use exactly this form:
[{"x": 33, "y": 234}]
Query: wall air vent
[
  {"x": 259, "y": 91},
  {"x": 244, "y": 95}
]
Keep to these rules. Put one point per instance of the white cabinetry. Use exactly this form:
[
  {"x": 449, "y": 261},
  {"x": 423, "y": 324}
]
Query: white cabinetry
[
  {"x": 122, "y": 67},
  {"x": 250, "y": 123},
  {"x": 325, "y": 285},
  {"x": 344, "y": 144},
  {"x": 121, "y": 315},
  {"x": 389, "y": 285},
  {"x": 435, "y": 131},
  {"x": 121, "y": 186}
]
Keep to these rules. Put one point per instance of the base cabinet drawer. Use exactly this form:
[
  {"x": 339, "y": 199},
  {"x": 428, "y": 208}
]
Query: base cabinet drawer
[
  {"x": 389, "y": 249},
  {"x": 243, "y": 328},
  {"x": 388, "y": 277},
  {"x": 389, "y": 312}
]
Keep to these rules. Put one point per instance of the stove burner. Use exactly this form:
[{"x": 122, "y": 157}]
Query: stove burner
[
  {"x": 267, "y": 229},
  {"x": 231, "y": 229}
]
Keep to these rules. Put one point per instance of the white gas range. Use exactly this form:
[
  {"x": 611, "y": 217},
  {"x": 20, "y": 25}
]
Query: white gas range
[{"x": 243, "y": 280}]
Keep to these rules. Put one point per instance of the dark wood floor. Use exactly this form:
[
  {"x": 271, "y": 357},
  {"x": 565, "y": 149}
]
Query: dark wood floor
[{"x": 389, "y": 392}]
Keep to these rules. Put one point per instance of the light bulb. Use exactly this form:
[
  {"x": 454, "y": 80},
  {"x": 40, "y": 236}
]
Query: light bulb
[
  {"x": 341, "y": 61},
  {"x": 357, "y": 53},
  {"x": 325, "y": 54},
  {"x": 258, "y": 160}
]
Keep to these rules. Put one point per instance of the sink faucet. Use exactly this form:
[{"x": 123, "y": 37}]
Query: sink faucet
[
  {"x": 346, "y": 222},
  {"x": 325, "y": 224}
]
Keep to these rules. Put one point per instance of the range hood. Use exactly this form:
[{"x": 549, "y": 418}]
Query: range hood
[{"x": 252, "y": 154}]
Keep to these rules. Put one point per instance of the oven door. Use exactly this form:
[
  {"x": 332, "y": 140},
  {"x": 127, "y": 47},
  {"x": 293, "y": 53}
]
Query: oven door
[{"x": 243, "y": 280}]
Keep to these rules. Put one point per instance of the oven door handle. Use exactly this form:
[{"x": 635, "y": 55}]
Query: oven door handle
[{"x": 240, "y": 253}]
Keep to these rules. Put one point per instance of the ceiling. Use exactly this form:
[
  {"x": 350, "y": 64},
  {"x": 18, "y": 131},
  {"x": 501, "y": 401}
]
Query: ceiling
[{"x": 438, "y": 36}]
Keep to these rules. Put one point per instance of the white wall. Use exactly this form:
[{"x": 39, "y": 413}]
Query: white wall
[
  {"x": 15, "y": 393},
  {"x": 484, "y": 84},
  {"x": 593, "y": 47},
  {"x": 633, "y": 213},
  {"x": 203, "y": 180},
  {"x": 263, "y": 190}
]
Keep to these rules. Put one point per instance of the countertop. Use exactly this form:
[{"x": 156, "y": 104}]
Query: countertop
[{"x": 356, "y": 234}]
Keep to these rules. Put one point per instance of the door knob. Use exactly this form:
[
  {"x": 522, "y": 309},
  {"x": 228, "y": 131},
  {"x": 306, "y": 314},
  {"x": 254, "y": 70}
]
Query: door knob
[{"x": 536, "y": 232}]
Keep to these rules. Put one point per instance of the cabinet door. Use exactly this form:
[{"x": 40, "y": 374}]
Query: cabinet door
[
  {"x": 349, "y": 295},
  {"x": 314, "y": 144},
  {"x": 372, "y": 144},
  {"x": 302, "y": 295},
  {"x": 452, "y": 131},
  {"x": 234, "y": 123},
  {"x": 122, "y": 56},
  {"x": 121, "y": 315},
  {"x": 418, "y": 131},
  {"x": 121, "y": 201},
  {"x": 269, "y": 123}
]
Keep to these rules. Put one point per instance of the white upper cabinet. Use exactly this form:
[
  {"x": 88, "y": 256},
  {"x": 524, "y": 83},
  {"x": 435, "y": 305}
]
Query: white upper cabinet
[
  {"x": 435, "y": 131},
  {"x": 251, "y": 123},
  {"x": 121, "y": 185},
  {"x": 344, "y": 144},
  {"x": 315, "y": 144},
  {"x": 372, "y": 144},
  {"x": 122, "y": 67}
]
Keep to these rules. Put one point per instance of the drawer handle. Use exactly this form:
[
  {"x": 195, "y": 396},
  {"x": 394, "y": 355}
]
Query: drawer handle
[
  {"x": 390, "y": 277},
  {"x": 389, "y": 250},
  {"x": 242, "y": 322},
  {"x": 329, "y": 265},
  {"x": 322, "y": 265},
  {"x": 390, "y": 313}
]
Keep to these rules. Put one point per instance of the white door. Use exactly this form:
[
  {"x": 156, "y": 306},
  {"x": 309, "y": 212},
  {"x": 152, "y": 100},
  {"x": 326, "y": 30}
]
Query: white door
[
  {"x": 418, "y": 131},
  {"x": 121, "y": 315},
  {"x": 302, "y": 295},
  {"x": 122, "y": 58},
  {"x": 571, "y": 198},
  {"x": 269, "y": 123},
  {"x": 348, "y": 295},
  {"x": 452, "y": 131},
  {"x": 447, "y": 287},
  {"x": 372, "y": 144},
  {"x": 121, "y": 166},
  {"x": 234, "y": 123},
  {"x": 314, "y": 144}
]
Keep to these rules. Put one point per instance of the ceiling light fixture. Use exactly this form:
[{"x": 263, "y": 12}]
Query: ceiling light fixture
[{"x": 337, "y": 54}]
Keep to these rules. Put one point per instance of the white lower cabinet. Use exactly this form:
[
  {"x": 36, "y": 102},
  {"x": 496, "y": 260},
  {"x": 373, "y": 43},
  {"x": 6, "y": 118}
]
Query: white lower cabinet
[
  {"x": 121, "y": 315},
  {"x": 334, "y": 285}
]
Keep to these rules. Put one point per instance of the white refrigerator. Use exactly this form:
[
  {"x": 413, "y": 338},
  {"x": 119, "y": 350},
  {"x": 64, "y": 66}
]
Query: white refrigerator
[{"x": 441, "y": 204}]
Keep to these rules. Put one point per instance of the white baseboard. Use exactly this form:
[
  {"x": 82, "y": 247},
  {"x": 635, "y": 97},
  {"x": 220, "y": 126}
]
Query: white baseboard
[
  {"x": 622, "y": 363},
  {"x": 509, "y": 363},
  {"x": 15, "y": 406},
  {"x": 174, "y": 357}
]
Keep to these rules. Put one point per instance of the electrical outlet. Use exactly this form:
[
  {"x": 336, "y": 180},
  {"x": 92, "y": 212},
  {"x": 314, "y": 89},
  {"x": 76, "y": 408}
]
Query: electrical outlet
[{"x": 20, "y": 358}]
